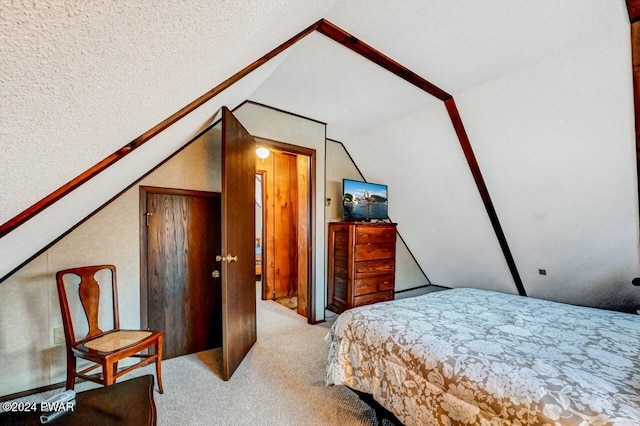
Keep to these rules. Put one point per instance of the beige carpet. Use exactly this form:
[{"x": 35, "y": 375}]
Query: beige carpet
[{"x": 280, "y": 382}]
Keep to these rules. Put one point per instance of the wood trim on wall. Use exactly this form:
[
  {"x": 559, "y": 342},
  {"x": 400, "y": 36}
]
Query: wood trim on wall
[
  {"x": 484, "y": 192},
  {"x": 345, "y": 39},
  {"x": 65, "y": 189},
  {"x": 350, "y": 42},
  {"x": 105, "y": 204},
  {"x": 633, "y": 9},
  {"x": 282, "y": 111}
]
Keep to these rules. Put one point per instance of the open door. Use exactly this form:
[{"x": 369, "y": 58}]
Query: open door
[{"x": 238, "y": 255}]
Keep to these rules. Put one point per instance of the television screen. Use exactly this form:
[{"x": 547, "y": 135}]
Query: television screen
[{"x": 363, "y": 201}]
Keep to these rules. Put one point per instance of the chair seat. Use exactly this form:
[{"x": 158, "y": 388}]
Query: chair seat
[
  {"x": 104, "y": 348},
  {"x": 117, "y": 340}
]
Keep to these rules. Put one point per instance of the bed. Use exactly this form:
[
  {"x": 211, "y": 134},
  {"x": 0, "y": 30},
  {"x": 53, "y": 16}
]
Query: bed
[{"x": 468, "y": 356}]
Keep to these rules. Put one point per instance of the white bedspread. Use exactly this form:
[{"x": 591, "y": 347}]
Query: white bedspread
[{"x": 467, "y": 356}]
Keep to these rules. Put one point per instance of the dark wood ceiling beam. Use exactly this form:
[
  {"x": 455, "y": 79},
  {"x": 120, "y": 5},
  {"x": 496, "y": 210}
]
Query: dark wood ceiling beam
[
  {"x": 350, "y": 42},
  {"x": 344, "y": 38},
  {"x": 454, "y": 114},
  {"x": 633, "y": 9},
  {"x": 67, "y": 188}
]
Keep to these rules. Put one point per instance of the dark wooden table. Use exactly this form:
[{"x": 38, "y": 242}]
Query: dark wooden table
[{"x": 125, "y": 403}]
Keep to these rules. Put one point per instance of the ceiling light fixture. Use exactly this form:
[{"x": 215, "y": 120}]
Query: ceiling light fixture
[{"x": 262, "y": 152}]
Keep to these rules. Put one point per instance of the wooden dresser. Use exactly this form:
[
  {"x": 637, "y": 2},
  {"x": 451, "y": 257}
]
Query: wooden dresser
[{"x": 361, "y": 264}]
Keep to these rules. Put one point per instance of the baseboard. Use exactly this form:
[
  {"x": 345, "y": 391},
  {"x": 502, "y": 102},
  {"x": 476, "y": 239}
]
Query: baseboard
[
  {"x": 33, "y": 391},
  {"x": 420, "y": 287}
]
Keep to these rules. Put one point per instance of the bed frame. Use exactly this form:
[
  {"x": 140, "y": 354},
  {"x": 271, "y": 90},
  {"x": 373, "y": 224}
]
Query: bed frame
[{"x": 381, "y": 412}]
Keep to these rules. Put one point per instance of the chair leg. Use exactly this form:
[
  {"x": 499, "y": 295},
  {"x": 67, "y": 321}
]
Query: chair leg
[
  {"x": 159, "y": 363},
  {"x": 107, "y": 373},
  {"x": 71, "y": 371},
  {"x": 115, "y": 368}
]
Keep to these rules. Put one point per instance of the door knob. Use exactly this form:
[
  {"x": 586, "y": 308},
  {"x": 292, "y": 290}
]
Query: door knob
[{"x": 215, "y": 274}]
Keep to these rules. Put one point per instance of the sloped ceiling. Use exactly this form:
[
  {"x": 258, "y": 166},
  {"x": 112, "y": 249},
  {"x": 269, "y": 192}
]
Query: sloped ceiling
[
  {"x": 80, "y": 81},
  {"x": 458, "y": 45},
  {"x": 326, "y": 81}
]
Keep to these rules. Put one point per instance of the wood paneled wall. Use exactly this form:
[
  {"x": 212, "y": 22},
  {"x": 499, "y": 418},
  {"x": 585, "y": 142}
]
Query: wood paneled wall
[
  {"x": 286, "y": 202},
  {"x": 303, "y": 230}
]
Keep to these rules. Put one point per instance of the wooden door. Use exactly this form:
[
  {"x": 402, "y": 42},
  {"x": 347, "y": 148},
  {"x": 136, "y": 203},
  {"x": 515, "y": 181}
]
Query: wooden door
[
  {"x": 183, "y": 299},
  {"x": 238, "y": 227}
]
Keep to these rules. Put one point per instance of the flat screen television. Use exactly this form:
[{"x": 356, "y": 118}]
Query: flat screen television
[{"x": 363, "y": 201}]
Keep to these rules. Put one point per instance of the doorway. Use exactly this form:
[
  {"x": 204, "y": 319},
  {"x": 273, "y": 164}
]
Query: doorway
[
  {"x": 228, "y": 255},
  {"x": 284, "y": 188},
  {"x": 181, "y": 236}
]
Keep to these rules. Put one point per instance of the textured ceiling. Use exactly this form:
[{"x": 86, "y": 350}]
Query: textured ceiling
[{"x": 79, "y": 80}]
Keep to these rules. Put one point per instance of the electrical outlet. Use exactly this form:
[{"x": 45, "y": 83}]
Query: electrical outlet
[{"x": 58, "y": 336}]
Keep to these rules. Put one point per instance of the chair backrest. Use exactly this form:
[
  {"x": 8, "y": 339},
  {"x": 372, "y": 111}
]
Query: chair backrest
[{"x": 89, "y": 294}]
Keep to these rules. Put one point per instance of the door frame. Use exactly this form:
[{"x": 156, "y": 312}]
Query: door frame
[
  {"x": 263, "y": 209},
  {"x": 311, "y": 280},
  {"x": 144, "y": 235}
]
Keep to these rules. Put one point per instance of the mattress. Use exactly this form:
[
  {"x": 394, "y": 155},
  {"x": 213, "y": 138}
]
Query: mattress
[{"x": 468, "y": 356}]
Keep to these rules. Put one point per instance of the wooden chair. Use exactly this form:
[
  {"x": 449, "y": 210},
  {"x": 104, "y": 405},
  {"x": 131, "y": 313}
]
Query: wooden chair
[{"x": 104, "y": 348}]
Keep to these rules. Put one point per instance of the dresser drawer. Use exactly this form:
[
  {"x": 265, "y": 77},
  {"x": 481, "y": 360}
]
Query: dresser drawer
[
  {"x": 375, "y": 251},
  {"x": 361, "y": 264},
  {"x": 377, "y": 267},
  {"x": 374, "y": 284},
  {"x": 367, "y": 299},
  {"x": 374, "y": 234}
]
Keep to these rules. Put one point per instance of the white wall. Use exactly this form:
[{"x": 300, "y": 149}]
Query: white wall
[
  {"x": 340, "y": 166},
  {"x": 555, "y": 144},
  {"x": 271, "y": 124},
  {"x": 29, "y": 308},
  {"x": 433, "y": 198},
  {"x": 29, "y": 238}
]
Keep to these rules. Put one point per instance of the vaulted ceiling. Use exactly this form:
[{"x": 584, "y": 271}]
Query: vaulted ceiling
[
  {"x": 456, "y": 45},
  {"x": 533, "y": 81},
  {"x": 81, "y": 80}
]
